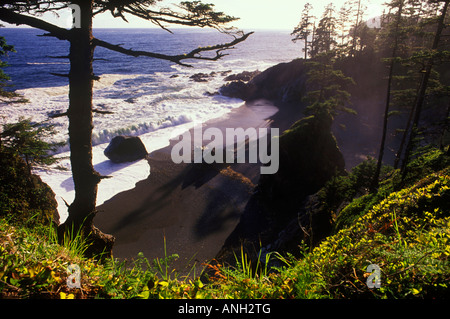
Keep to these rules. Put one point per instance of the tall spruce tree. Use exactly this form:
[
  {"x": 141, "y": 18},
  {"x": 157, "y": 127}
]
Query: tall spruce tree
[
  {"x": 343, "y": 25},
  {"x": 327, "y": 86},
  {"x": 425, "y": 79},
  {"x": 325, "y": 34},
  {"x": 305, "y": 28},
  {"x": 81, "y": 77},
  {"x": 358, "y": 18},
  {"x": 394, "y": 36}
]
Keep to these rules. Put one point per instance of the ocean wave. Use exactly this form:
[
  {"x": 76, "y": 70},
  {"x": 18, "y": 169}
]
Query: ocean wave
[
  {"x": 47, "y": 63},
  {"x": 140, "y": 103},
  {"x": 106, "y": 135},
  {"x": 152, "y": 99}
]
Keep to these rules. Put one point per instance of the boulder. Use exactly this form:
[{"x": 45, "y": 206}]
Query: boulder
[
  {"x": 200, "y": 77},
  {"x": 123, "y": 149},
  {"x": 236, "y": 89}
]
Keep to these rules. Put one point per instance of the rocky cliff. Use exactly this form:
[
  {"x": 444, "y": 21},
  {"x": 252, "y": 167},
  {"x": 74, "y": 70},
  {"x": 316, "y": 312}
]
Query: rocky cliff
[
  {"x": 282, "y": 84},
  {"x": 309, "y": 157},
  {"x": 358, "y": 136}
]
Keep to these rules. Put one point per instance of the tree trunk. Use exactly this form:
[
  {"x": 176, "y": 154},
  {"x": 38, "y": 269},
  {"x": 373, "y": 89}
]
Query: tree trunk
[
  {"x": 353, "y": 49},
  {"x": 404, "y": 136},
  {"x": 306, "y": 47},
  {"x": 376, "y": 177},
  {"x": 444, "y": 129},
  {"x": 423, "y": 88},
  {"x": 85, "y": 178}
]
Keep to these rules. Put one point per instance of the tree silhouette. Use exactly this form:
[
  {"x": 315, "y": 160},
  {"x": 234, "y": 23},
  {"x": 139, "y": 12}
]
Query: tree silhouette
[
  {"x": 81, "y": 77},
  {"x": 304, "y": 28},
  {"x": 325, "y": 34},
  {"x": 395, "y": 37},
  {"x": 426, "y": 74},
  {"x": 4, "y": 50}
]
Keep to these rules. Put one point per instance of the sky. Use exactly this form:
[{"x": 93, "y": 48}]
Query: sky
[{"x": 253, "y": 14}]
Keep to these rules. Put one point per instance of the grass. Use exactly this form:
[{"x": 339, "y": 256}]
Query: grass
[{"x": 406, "y": 233}]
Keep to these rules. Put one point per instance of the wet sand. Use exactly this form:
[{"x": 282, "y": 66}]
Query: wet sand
[{"x": 192, "y": 207}]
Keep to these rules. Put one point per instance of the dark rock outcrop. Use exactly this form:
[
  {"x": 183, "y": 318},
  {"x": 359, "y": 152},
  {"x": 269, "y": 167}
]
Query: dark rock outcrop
[
  {"x": 283, "y": 83},
  {"x": 200, "y": 77},
  {"x": 238, "y": 86},
  {"x": 236, "y": 89},
  {"x": 123, "y": 149},
  {"x": 243, "y": 76},
  {"x": 309, "y": 157}
]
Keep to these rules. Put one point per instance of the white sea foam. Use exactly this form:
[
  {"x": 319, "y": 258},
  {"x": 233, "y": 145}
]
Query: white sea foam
[
  {"x": 123, "y": 176},
  {"x": 155, "y": 107},
  {"x": 47, "y": 63}
]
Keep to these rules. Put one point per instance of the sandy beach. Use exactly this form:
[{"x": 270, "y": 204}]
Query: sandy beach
[{"x": 193, "y": 207}]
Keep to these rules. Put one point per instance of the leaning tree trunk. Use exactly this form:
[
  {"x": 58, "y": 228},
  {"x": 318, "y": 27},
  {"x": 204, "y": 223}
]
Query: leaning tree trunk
[
  {"x": 423, "y": 88},
  {"x": 85, "y": 178},
  {"x": 375, "y": 180}
]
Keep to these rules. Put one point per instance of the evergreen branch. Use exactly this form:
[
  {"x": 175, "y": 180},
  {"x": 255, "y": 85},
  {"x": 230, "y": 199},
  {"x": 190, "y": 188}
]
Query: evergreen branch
[
  {"x": 191, "y": 13},
  {"x": 11, "y": 17},
  {"x": 194, "y": 54},
  {"x": 58, "y": 56},
  {"x": 59, "y": 74}
]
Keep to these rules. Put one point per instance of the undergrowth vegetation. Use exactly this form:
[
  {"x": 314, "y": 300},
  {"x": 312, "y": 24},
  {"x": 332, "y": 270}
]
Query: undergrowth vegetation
[{"x": 403, "y": 230}]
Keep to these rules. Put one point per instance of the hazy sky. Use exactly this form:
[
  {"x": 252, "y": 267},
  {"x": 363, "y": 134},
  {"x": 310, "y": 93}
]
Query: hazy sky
[{"x": 253, "y": 14}]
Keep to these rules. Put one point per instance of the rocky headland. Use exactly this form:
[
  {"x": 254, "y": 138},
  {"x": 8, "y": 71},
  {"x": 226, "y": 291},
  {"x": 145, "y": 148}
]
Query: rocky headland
[
  {"x": 213, "y": 211},
  {"x": 203, "y": 210}
]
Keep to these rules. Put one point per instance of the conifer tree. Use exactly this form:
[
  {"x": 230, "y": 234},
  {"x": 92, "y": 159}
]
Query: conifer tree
[
  {"x": 327, "y": 86},
  {"x": 395, "y": 37},
  {"x": 343, "y": 25},
  {"x": 424, "y": 82},
  {"x": 325, "y": 34},
  {"x": 28, "y": 140},
  {"x": 305, "y": 28},
  {"x": 81, "y": 77},
  {"x": 358, "y": 18},
  {"x": 5, "y": 49}
]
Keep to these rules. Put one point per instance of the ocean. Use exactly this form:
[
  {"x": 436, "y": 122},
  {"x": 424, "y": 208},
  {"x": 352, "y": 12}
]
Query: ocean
[{"x": 150, "y": 98}]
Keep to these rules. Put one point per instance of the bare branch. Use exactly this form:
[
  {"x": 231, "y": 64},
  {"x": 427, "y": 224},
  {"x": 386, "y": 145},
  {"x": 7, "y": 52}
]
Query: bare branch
[
  {"x": 59, "y": 74},
  {"x": 19, "y": 19},
  {"x": 58, "y": 56},
  {"x": 194, "y": 54}
]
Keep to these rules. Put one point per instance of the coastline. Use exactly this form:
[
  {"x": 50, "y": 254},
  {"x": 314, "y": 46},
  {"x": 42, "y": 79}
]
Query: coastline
[{"x": 192, "y": 208}]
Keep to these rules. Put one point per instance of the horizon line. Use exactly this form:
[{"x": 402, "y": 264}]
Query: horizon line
[{"x": 159, "y": 28}]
